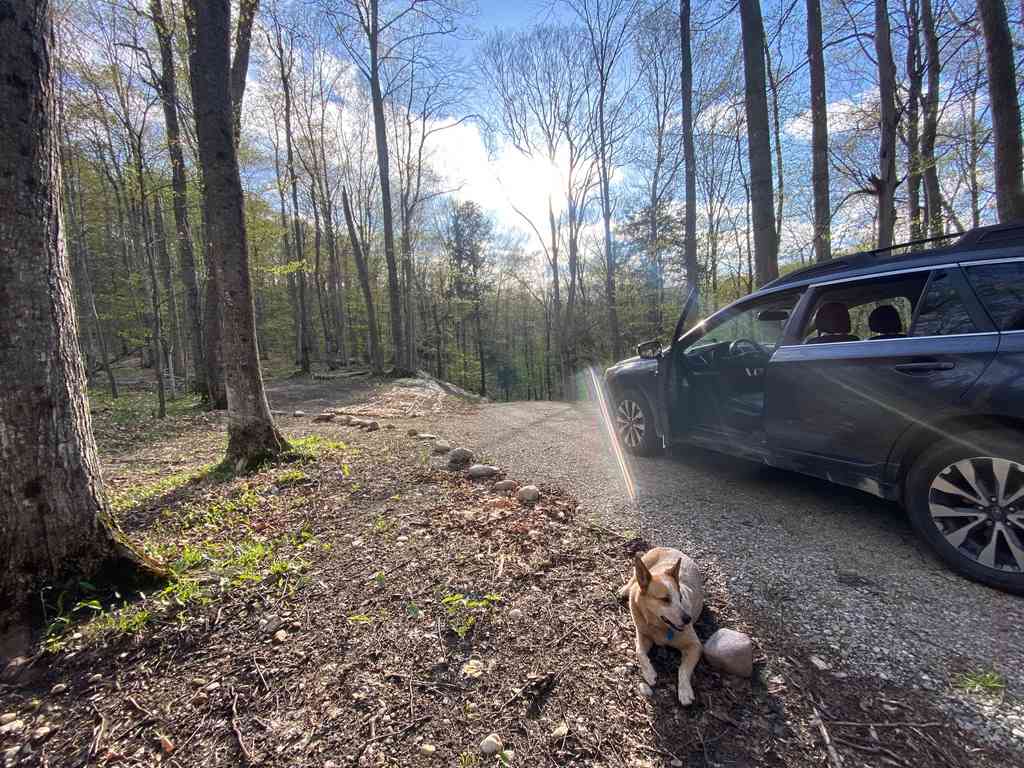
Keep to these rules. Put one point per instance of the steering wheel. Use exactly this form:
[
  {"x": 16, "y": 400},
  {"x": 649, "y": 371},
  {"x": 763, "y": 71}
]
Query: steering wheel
[{"x": 745, "y": 347}]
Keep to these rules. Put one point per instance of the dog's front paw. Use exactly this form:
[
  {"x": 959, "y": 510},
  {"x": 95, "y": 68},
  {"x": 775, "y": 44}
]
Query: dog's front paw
[
  {"x": 685, "y": 696},
  {"x": 649, "y": 675}
]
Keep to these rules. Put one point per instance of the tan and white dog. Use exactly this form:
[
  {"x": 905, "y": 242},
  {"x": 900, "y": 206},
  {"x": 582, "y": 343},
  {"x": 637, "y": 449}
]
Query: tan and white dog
[{"x": 666, "y": 596}]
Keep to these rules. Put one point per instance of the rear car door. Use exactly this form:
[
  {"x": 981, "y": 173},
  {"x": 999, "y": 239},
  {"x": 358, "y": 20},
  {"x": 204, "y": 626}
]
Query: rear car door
[{"x": 835, "y": 409}]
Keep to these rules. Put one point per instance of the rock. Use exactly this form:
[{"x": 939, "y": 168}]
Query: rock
[
  {"x": 389, "y": 426},
  {"x": 15, "y": 669},
  {"x": 343, "y": 418},
  {"x": 59, "y": 688},
  {"x": 473, "y": 668},
  {"x": 504, "y": 485},
  {"x": 270, "y": 624},
  {"x": 11, "y": 755},
  {"x": 491, "y": 745},
  {"x": 426, "y": 436},
  {"x": 515, "y": 614},
  {"x": 528, "y": 494},
  {"x": 280, "y": 636},
  {"x": 299, "y": 414},
  {"x": 820, "y": 664},
  {"x": 166, "y": 744},
  {"x": 730, "y": 651},
  {"x": 42, "y": 733},
  {"x": 480, "y": 471},
  {"x": 15, "y": 726},
  {"x": 94, "y": 679},
  {"x": 645, "y": 690},
  {"x": 441, "y": 446},
  {"x": 371, "y": 426},
  {"x": 459, "y": 457},
  {"x": 561, "y": 731},
  {"x": 8, "y": 717},
  {"x": 427, "y": 749},
  {"x": 324, "y": 417},
  {"x": 412, "y": 432},
  {"x": 214, "y": 686}
]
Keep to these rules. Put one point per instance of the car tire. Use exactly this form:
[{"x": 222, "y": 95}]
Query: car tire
[
  {"x": 633, "y": 421},
  {"x": 965, "y": 498}
]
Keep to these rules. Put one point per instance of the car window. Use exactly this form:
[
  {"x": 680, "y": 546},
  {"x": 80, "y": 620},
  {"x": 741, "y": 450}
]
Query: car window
[
  {"x": 761, "y": 321},
  {"x": 942, "y": 310},
  {"x": 1001, "y": 290},
  {"x": 866, "y": 309}
]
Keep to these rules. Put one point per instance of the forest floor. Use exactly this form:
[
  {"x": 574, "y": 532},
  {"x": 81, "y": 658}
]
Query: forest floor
[{"x": 362, "y": 605}]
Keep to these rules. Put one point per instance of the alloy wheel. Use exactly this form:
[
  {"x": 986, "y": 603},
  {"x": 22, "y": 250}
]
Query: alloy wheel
[
  {"x": 631, "y": 423},
  {"x": 977, "y": 504}
]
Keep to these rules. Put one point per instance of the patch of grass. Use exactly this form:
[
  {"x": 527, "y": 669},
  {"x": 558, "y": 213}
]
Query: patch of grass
[
  {"x": 291, "y": 477},
  {"x": 360, "y": 618},
  {"x": 986, "y": 682},
  {"x": 464, "y": 611},
  {"x": 136, "y": 495},
  {"x": 382, "y": 524},
  {"x": 314, "y": 446}
]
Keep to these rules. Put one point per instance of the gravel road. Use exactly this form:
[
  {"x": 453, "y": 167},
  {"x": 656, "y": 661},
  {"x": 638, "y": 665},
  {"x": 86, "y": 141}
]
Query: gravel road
[{"x": 840, "y": 570}]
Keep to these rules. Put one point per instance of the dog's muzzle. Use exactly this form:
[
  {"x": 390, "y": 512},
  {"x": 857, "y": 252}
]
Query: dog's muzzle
[{"x": 677, "y": 627}]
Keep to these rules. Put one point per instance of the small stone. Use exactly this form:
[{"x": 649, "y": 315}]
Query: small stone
[
  {"x": 412, "y": 432},
  {"x": 280, "y": 636},
  {"x": 97, "y": 678},
  {"x": 15, "y": 668},
  {"x": 426, "y": 436},
  {"x": 492, "y": 745},
  {"x": 8, "y": 717},
  {"x": 42, "y": 733},
  {"x": 473, "y": 668},
  {"x": 15, "y": 726},
  {"x": 528, "y": 494},
  {"x": 344, "y": 418},
  {"x": 459, "y": 457},
  {"x": 372, "y": 426},
  {"x": 166, "y": 744},
  {"x": 504, "y": 485},
  {"x": 214, "y": 686},
  {"x": 480, "y": 471},
  {"x": 270, "y": 624},
  {"x": 324, "y": 417},
  {"x": 441, "y": 446},
  {"x": 645, "y": 690},
  {"x": 515, "y": 614},
  {"x": 820, "y": 664},
  {"x": 676, "y": 763},
  {"x": 561, "y": 731},
  {"x": 11, "y": 755},
  {"x": 59, "y": 688},
  {"x": 427, "y": 749},
  {"x": 299, "y": 414},
  {"x": 730, "y": 651},
  {"x": 389, "y": 426}
]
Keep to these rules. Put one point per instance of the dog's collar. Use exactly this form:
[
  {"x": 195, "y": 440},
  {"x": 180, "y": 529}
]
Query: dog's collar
[{"x": 671, "y": 633}]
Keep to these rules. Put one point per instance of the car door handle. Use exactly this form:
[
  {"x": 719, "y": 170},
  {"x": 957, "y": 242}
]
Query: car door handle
[{"x": 924, "y": 366}]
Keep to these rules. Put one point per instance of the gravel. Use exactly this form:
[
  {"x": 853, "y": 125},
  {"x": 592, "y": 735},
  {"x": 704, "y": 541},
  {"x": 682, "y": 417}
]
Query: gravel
[{"x": 836, "y": 570}]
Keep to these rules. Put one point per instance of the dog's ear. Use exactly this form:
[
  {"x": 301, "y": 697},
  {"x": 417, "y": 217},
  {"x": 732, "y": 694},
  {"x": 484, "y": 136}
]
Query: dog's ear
[
  {"x": 674, "y": 573},
  {"x": 643, "y": 576}
]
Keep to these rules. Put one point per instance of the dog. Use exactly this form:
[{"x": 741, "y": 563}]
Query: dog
[{"x": 666, "y": 596}]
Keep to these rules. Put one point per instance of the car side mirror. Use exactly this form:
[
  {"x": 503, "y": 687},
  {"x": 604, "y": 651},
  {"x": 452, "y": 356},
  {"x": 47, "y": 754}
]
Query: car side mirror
[{"x": 649, "y": 350}]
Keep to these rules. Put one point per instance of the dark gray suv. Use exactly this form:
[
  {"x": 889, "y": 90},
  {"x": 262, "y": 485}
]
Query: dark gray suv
[{"x": 902, "y": 376}]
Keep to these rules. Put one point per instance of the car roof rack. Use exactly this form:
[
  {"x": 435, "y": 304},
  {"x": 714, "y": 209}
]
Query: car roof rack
[{"x": 991, "y": 236}]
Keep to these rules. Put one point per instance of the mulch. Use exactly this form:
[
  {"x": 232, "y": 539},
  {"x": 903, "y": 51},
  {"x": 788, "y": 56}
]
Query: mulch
[{"x": 412, "y": 613}]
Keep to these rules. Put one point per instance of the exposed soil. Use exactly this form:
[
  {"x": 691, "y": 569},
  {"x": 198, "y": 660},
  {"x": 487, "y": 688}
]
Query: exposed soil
[{"x": 360, "y": 605}]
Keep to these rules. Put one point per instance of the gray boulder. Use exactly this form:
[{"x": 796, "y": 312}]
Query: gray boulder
[
  {"x": 480, "y": 471},
  {"x": 731, "y": 652},
  {"x": 504, "y": 485},
  {"x": 459, "y": 457},
  {"x": 528, "y": 494}
]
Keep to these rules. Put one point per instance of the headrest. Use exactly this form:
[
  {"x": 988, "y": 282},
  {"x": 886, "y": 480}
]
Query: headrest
[
  {"x": 832, "y": 317},
  {"x": 885, "y": 319}
]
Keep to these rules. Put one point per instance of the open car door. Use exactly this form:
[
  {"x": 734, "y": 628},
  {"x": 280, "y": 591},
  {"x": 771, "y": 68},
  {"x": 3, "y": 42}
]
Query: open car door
[{"x": 674, "y": 412}]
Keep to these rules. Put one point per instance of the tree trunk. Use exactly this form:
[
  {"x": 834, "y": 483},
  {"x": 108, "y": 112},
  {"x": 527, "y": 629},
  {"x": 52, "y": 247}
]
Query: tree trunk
[
  {"x": 376, "y": 358},
  {"x": 240, "y": 65},
  {"x": 930, "y": 124},
  {"x": 216, "y": 390},
  {"x": 819, "y": 135},
  {"x": 885, "y": 182},
  {"x": 1002, "y": 89},
  {"x": 56, "y": 525},
  {"x": 689, "y": 155},
  {"x": 168, "y": 88},
  {"x": 167, "y": 274},
  {"x": 759, "y": 144},
  {"x": 914, "y": 77},
  {"x": 252, "y": 436},
  {"x": 381, "y": 137}
]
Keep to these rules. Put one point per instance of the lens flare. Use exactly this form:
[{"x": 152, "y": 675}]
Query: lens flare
[{"x": 613, "y": 436}]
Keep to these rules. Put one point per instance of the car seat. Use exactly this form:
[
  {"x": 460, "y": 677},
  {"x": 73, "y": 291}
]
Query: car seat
[
  {"x": 832, "y": 322},
  {"x": 885, "y": 321}
]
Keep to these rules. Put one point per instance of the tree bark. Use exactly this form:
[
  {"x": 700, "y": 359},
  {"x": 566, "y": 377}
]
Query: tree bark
[
  {"x": 1003, "y": 97},
  {"x": 819, "y": 135},
  {"x": 168, "y": 88},
  {"x": 689, "y": 154},
  {"x": 252, "y": 436},
  {"x": 381, "y": 138},
  {"x": 759, "y": 144},
  {"x": 376, "y": 357},
  {"x": 56, "y": 525},
  {"x": 913, "y": 121},
  {"x": 930, "y": 124},
  {"x": 885, "y": 181},
  {"x": 240, "y": 65},
  {"x": 167, "y": 275}
]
